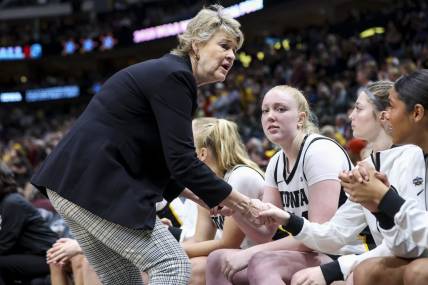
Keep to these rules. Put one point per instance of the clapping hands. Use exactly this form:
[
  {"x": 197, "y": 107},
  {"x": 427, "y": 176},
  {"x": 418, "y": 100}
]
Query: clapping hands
[
  {"x": 365, "y": 185},
  {"x": 62, "y": 251}
]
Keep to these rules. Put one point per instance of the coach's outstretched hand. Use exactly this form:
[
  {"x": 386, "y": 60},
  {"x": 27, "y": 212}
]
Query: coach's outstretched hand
[{"x": 249, "y": 208}]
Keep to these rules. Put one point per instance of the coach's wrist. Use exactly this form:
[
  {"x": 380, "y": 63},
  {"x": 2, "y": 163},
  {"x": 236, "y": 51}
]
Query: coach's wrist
[{"x": 238, "y": 202}]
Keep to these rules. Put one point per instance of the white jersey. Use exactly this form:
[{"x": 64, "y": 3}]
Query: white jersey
[
  {"x": 319, "y": 158},
  {"x": 338, "y": 236},
  {"x": 246, "y": 181},
  {"x": 410, "y": 231}
]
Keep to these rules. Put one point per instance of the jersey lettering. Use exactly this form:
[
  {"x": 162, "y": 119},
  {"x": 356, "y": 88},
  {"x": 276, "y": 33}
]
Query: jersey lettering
[
  {"x": 218, "y": 221},
  {"x": 294, "y": 199}
]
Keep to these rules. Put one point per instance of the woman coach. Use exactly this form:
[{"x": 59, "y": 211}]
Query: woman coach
[{"x": 133, "y": 144}]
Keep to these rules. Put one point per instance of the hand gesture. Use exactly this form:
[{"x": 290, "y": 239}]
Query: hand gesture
[
  {"x": 308, "y": 276},
  {"x": 166, "y": 222},
  {"x": 62, "y": 251},
  {"x": 274, "y": 215},
  {"x": 234, "y": 263},
  {"x": 365, "y": 186}
]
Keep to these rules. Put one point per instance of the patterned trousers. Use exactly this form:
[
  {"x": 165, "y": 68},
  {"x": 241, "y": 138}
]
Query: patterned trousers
[{"x": 119, "y": 254}]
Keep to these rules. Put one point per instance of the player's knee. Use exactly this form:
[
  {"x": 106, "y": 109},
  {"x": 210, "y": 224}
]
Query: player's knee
[
  {"x": 258, "y": 265},
  {"x": 198, "y": 264},
  {"x": 215, "y": 259},
  {"x": 198, "y": 271},
  {"x": 260, "y": 260},
  {"x": 368, "y": 272},
  {"x": 416, "y": 272}
]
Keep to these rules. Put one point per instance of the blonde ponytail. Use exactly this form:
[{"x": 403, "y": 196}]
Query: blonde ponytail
[{"x": 222, "y": 138}]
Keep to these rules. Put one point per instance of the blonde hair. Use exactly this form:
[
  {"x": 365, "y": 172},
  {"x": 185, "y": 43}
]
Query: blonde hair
[
  {"x": 222, "y": 138},
  {"x": 204, "y": 25},
  {"x": 378, "y": 94},
  {"x": 309, "y": 126}
]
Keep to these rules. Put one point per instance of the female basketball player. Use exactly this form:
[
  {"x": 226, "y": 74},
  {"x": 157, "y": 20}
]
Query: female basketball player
[
  {"x": 302, "y": 178},
  {"x": 404, "y": 222},
  {"x": 369, "y": 121},
  {"x": 218, "y": 145}
]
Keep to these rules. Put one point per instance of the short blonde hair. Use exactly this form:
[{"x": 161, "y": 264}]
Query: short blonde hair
[
  {"x": 222, "y": 138},
  {"x": 204, "y": 25}
]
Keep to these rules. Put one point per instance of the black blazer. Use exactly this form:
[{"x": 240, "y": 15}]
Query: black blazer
[{"x": 133, "y": 144}]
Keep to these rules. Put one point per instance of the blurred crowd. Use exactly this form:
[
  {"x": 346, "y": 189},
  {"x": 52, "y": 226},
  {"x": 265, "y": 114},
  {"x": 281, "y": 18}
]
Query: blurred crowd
[
  {"x": 116, "y": 18},
  {"x": 328, "y": 66}
]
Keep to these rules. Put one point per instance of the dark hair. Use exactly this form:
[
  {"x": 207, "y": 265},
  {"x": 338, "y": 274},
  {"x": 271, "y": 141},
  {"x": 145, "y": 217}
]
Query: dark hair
[
  {"x": 412, "y": 89},
  {"x": 7, "y": 181}
]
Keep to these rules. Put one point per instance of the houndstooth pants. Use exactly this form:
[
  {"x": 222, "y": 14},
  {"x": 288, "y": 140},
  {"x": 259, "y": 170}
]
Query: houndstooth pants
[{"x": 119, "y": 254}]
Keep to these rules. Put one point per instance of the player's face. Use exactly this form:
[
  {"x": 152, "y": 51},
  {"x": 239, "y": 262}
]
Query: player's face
[
  {"x": 216, "y": 58},
  {"x": 400, "y": 120},
  {"x": 280, "y": 117},
  {"x": 364, "y": 123}
]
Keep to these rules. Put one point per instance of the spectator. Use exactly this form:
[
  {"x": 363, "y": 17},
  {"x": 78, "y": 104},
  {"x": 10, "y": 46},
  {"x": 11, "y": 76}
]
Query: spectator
[{"x": 24, "y": 235}]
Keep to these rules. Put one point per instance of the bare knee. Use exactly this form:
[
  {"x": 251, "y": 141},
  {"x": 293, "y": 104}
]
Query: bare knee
[
  {"x": 416, "y": 272},
  {"x": 262, "y": 267},
  {"x": 368, "y": 272},
  {"x": 213, "y": 273},
  {"x": 260, "y": 260},
  {"x": 215, "y": 259},
  {"x": 198, "y": 270}
]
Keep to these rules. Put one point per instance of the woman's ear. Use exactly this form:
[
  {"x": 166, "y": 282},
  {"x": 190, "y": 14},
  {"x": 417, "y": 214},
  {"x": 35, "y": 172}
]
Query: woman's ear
[
  {"x": 383, "y": 117},
  {"x": 202, "y": 153},
  {"x": 195, "y": 49},
  {"x": 384, "y": 121},
  {"x": 418, "y": 112},
  {"x": 302, "y": 119}
]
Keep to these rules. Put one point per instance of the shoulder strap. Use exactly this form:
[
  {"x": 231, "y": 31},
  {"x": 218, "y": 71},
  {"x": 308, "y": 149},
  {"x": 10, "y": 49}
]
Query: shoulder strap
[
  {"x": 342, "y": 195},
  {"x": 324, "y": 138},
  {"x": 228, "y": 173},
  {"x": 376, "y": 160},
  {"x": 227, "y": 176},
  {"x": 275, "y": 174}
]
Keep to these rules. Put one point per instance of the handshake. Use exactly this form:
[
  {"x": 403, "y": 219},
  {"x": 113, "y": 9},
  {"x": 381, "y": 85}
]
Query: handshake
[{"x": 255, "y": 211}]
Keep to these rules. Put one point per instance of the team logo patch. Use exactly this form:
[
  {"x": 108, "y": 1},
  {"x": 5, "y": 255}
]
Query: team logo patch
[{"x": 418, "y": 181}]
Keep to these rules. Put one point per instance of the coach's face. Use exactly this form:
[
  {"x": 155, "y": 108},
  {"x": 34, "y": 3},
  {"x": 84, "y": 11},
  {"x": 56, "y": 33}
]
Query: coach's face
[{"x": 214, "y": 59}]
